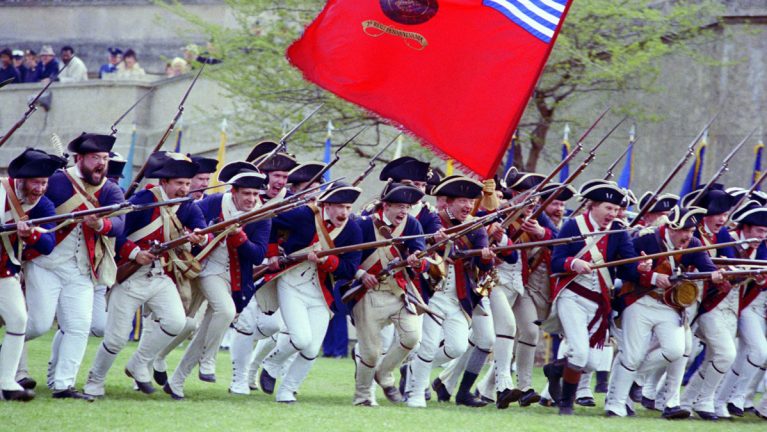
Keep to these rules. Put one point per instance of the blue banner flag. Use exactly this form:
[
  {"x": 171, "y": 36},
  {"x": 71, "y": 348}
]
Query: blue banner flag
[
  {"x": 692, "y": 181},
  {"x": 758, "y": 149},
  {"x": 128, "y": 170}
]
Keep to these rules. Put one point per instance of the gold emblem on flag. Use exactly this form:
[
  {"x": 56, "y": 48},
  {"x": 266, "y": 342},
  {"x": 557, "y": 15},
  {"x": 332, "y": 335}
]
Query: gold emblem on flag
[{"x": 376, "y": 29}]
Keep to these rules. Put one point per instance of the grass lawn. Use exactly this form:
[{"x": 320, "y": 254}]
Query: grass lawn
[{"x": 324, "y": 404}]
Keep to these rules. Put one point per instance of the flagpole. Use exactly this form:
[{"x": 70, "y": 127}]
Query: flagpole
[
  {"x": 328, "y": 150},
  {"x": 128, "y": 169}
]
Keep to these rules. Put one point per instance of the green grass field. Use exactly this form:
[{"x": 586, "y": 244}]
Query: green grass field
[{"x": 324, "y": 404}]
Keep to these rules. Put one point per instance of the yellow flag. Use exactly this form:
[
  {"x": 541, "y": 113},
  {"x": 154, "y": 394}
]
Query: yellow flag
[
  {"x": 221, "y": 156},
  {"x": 449, "y": 167}
]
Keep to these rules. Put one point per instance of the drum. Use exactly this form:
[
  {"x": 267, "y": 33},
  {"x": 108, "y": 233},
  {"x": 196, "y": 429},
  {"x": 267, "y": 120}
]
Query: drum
[{"x": 683, "y": 294}]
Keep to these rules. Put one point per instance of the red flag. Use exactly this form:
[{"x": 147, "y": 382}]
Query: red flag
[{"x": 456, "y": 73}]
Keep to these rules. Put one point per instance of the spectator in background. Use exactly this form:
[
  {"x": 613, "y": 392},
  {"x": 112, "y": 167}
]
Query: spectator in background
[
  {"x": 115, "y": 57},
  {"x": 76, "y": 70},
  {"x": 176, "y": 67},
  {"x": 18, "y": 60},
  {"x": 129, "y": 68},
  {"x": 7, "y": 71},
  {"x": 49, "y": 66},
  {"x": 32, "y": 69},
  {"x": 192, "y": 54}
]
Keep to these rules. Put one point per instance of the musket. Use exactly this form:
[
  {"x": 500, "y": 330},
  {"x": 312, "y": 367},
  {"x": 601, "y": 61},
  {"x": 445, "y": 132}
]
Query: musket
[
  {"x": 727, "y": 274},
  {"x": 660, "y": 255},
  {"x": 113, "y": 128},
  {"x": 336, "y": 158},
  {"x": 372, "y": 162},
  {"x": 208, "y": 188},
  {"x": 260, "y": 270},
  {"x": 266, "y": 212},
  {"x": 140, "y": 176},
  {"x": 537, "y": 212},
  {"x": 690, "y": 151},
  {"x": 32, "y": 107},
  {"x": 530, "y": 245},
  {"x": 722, "y": 169},
  {"x": 283, "y": 142},
  {"x": 738, "y": 262},
  {"x": 6, "y": 82},
  {"x": 577, "y": 149},
  {"x": 105, "y": 211}
]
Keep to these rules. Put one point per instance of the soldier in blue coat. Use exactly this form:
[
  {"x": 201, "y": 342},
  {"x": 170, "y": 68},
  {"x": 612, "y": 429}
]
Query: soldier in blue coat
[
  {"x": 381, "y": 303},
  {"x": 61, "y": 284},
  {"x": 226, "y": 280},
  {"x": 23, "y": 197},
  {"x": 159, "y": 282},
  {"x": 304, "y": 292}
]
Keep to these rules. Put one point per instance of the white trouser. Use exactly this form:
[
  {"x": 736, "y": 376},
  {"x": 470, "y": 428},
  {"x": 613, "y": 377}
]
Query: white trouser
[
  {"x": 252, "y": 325},
  {"x": 575, "y": 313},
  {"x": 306, "y": 317},
  {"x": 13, "y": 313},
  {"x": 481, "y": 336},
  {"x": 203, "y": 348},
  {"x": 66, "y": 294},
  {"x": 717, "y": 329},
  {"x": 158, "y": 292},
  {"x": 750, "y": 359},
  {"x": 502, "y": 297},
  {"x": 375, "y": 311},
  {"x": 641, "y": 320}
]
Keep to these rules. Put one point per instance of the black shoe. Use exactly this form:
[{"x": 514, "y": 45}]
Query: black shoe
[
  {"x": 469, "y": 400},
  {"x": 636, "y": 393},
  {"x": 442, "y": 394},
  {"x": 166, "y": 388},
  {"x": 211, "y": 378},
  {"x": 649, "y": 404},
  {"x": 750, "y": 409},
  {"x": 548, "y": 403},
  {"x": 427, "y": 394},
  {"x": 587, "y": 401},
  {"x": 160, "y": 377},
  {"x": 733, "y": 410},
  {"x": 144, "y": 387},
  {"x": 365, "y": 403},
  {"x": 402, "y": 379},
  {"x": 611, "y": 413},
  {"x": 506, "y": 397},
  {"x": 266, "y": 382},
  {"x": 528, "y": 398},
  {"x": 630, "y": 411},
  {"x": 600, "y": 387},
  {"x": 705, "y": 415},
  {"x": 760, "y": 415},
  {"x": 71, "y": 393},
  {"x": 28, "y": 383},
  {"x": 392, "y": 394},
  {"x": 24, "y": 395},
  {"x": 675, "y": 413},
  {"x": 553, "y": 373}
]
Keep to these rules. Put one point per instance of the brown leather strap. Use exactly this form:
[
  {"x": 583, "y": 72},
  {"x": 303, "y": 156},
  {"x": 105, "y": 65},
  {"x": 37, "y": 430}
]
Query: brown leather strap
[
  {"x": 76, "y": 186},
  {"x": 319, "y": 223},
  {"x": 14, "y": 200}
]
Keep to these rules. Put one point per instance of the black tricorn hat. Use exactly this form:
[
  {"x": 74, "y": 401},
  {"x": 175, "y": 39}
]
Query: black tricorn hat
[
  {"x": 91, "y": 143},
  {"x": 397, "y": 193},
  {"x": 116, "y": 165},
  {"x": 458, "y": 187},
  {"x": 340, "y": 193},
  {"x": 33, "y": 163},
  {"x": 664, "y": 202},
  {"x": 207, "y": 165},
  {"x": 278, "y": 162},
  {"x": 684, "y": 218},
  {"x": 604, "y": 191},
  {"x": 305, "y": 172},
  {"x": 262, "y": 148},
  {"x": 564, "y": 194},
  {"x": 405, "y": 168},
  {"x": 242, "y": 174},
  {"x": 716, "y": 200},
  {"x": 521, "y": 181},
  {"x": 751, "y": 213},
  {"x": 168, "y": 165}
]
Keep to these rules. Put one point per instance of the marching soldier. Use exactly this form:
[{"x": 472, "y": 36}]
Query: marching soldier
[
  {"x": 304, "y": 291},
  {"x": 23, "y": 198},
  {"x": 299, "y": 177},
  {"x": 581, "y": 304},
  {"x": 150, "y": 284},
  {"x": 226, "y": 279},
  {"x": 384, "y": 302},
  {"x": 64, "y": 280},
  {"x": 201, "y": 180}
]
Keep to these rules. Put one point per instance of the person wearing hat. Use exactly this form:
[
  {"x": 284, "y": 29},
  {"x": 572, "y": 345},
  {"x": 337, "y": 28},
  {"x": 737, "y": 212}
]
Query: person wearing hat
[
  {"x": 7, "y": 69},
  {"x": 557, "y": 209},
  {"x": 155, "y": 282},
  {"x": 647, "y": 315},
  {"x": 304, "y": 291},
  {"x": 61, "y": 284},
  {"x": 751, "y": 357},
  {"x": 381, "y": 303},
  {"x": 717, "y": 304},
  {"x": 31, "y": 69},
  {"x": 113, "y": 59},
  {"x": 116, "y": 167},
  {"x": 226, "y": 279},
  {"x": 299, "y": 176},
  {"x": 277, "y": 167},
  {"x": 201, "y": 180},
  {"x": 23, "y": 194},
  {"x": 661, "y": 208},
  {"x": 456, "y": 298},
  {"x": 49, "y": 66},
  {"x": 581, "y": 304}
]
